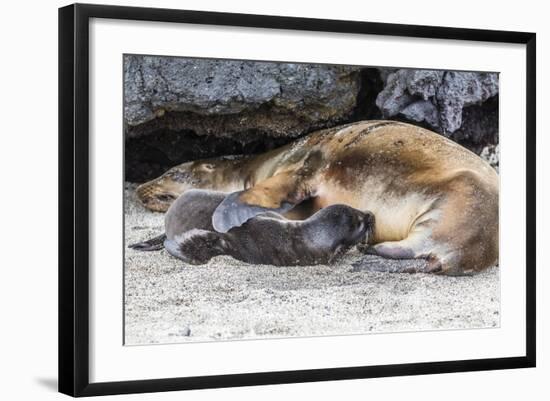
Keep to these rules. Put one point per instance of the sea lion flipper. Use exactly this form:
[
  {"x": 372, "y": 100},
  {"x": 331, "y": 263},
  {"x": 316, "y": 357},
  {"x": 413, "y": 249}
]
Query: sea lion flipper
[
  {"x": 233, "y": 212},
  {"x": 407, "y": 257},
  {"x": 196, "y": 246},
  {"x": 153, "y": 244},
  {"x": 279, "y": 194}
]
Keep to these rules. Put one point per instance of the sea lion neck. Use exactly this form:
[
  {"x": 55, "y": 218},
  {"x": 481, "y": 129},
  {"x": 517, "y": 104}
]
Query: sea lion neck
[
  {"x": 230, "y": 171},
  {"x": 255, "y": 168}
]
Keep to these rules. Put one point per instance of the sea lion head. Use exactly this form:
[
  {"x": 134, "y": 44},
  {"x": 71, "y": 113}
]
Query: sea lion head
[
  {"x": 158, "y": 194},
  {"x": 343, "y": 226}
]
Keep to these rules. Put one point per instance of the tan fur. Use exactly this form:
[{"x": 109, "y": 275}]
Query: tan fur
[{"x": 428, "y": 194}]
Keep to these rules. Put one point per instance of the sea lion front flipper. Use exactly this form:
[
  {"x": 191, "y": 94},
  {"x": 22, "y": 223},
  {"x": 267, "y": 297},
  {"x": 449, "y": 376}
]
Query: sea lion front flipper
[
  {"x": 399, "y": 257},
  {"x": 233, "y": 212},
  {"x": 153, "y": 244},
  {"x": 279, "y": 194}
]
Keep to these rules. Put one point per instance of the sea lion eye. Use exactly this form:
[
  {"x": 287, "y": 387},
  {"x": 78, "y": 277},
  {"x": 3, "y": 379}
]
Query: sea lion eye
[{"x": 165, "y": 197}]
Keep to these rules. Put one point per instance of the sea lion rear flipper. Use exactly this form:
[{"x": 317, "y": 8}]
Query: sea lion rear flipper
[
  {"x": 407, "y": 258},
  {"x": 279, "y": 193},
  {"x": 195, "y": 246},
  {"x": 153, "y": 244}
]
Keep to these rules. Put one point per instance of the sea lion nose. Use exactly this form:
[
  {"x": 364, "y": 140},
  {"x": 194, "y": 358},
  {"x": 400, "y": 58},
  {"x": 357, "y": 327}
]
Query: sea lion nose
[
  {"x": 143, "y": 192},
  {"x": 369, "y": 218}
]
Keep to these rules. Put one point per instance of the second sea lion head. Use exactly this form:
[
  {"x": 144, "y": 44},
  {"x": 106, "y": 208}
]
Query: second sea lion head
[
  {"x": 160, "y": 193},
  {"x": 345, "y": 225}
]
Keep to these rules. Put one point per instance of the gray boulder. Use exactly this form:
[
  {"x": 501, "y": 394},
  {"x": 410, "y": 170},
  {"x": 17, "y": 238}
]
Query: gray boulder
[
  {"x": 439, "y": 99},
  {"x": 240, "y": 99},
  {"x": 180, "y": 109}
]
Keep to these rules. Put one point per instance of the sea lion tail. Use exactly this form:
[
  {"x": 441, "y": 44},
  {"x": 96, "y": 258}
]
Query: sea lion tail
[{"x": 153, "y": 244}]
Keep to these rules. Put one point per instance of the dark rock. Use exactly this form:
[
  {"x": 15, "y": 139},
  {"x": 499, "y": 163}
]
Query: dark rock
[
  {"x": 370, "y": 87},
  {"x": 385, "y": 72},
  {"x": 180, "y": 109},
  {"x": 459, "y": 90},
  {"x": 395, "y": 95},
  {"x": 147, "y": 157},
  {"x": 447, "y": 101},
  {"x": 422, "y": 110},
  {"x": 479, "y": 125},
  {"x": 185, "y": 332},
  {"x": 235, "y": 98},
  {"x": 491, "y": 153},
  {"x": 424, "y": 83}
]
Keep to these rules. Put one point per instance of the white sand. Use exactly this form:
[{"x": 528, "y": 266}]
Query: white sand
[{"x": 168, "y": 301}]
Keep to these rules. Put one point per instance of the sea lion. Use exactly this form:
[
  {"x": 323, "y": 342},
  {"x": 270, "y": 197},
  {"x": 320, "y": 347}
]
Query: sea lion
[
  {"x": 431, "y": 197},
  {"x": 191, "y": 211},
  {"x": 219, "y": 174},
  {"x": 268, "y": 238}
]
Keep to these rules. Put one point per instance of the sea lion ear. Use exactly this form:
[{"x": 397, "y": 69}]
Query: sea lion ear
[
  {"x": 207, "y": 167},
  {"x": 233, "y": 212}
]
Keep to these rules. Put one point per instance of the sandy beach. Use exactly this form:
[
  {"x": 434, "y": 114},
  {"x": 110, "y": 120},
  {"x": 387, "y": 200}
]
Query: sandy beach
[{"x": 167, "y": 301}]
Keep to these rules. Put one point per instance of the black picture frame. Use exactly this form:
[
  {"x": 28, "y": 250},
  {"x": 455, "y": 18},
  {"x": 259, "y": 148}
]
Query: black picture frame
[{"x": 74, "y": 199}]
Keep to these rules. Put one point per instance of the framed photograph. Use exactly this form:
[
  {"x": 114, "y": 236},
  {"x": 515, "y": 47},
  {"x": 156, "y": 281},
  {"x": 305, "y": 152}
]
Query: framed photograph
[{"x": 250, "y": 199}]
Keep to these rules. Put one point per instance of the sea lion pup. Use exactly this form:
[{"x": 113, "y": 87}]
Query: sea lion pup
[
  {"x": 268, "y": 238},
  {"x": 193, "y": 210},
  {"x": 432, "y": 198}
]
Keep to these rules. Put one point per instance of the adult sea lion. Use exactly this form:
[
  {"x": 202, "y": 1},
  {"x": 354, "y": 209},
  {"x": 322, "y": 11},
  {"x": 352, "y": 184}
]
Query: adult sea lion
[
  {"x": 268, "y": 238},
  {"x": 431, "y": 197}
]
